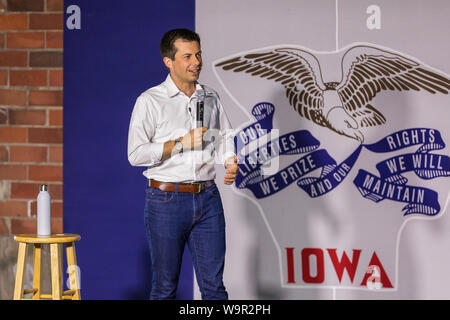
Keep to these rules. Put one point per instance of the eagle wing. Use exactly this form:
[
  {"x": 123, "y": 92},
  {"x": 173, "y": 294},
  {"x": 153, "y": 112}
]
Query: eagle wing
[
  {"x": 290, "y": 68},
  {"x": 378, "y": 70}
]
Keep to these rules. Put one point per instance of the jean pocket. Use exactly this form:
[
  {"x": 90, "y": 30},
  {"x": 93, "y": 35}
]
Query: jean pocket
[
  {"x": 158, "y": 196},
  {"x": 213, "y": 190}
]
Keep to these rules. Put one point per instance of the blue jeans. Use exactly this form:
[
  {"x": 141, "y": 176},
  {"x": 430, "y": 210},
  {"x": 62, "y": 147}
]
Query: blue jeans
[{"x": 171, "y": 220}]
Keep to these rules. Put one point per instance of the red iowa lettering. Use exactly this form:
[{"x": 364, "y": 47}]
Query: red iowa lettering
[{"x": 341, "y": 265}]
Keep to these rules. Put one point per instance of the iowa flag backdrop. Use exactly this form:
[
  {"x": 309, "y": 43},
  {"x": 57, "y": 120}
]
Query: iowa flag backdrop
[{"x": 341, "y": 112}]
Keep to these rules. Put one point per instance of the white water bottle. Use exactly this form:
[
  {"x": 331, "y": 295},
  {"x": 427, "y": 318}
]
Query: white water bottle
[{"x": 43, "y": 212}]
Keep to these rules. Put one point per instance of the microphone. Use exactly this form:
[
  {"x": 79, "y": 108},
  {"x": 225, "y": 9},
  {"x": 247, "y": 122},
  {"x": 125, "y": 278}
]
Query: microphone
[
  {"x": 200, "y": 111},
  {"x": 200, "y": 107}
]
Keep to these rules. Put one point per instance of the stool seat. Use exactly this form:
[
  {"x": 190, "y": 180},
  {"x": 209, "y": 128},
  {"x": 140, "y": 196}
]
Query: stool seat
[
  {"x": 53, "y": 238},
  {"x": 55, "y": 241}
]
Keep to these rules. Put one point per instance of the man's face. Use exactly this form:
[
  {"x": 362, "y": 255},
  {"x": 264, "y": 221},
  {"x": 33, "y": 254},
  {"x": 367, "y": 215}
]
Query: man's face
[{"x": 187, "y": 64}]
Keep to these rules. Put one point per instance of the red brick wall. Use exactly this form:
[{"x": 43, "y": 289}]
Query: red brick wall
[{"x": 31, "y": 121}]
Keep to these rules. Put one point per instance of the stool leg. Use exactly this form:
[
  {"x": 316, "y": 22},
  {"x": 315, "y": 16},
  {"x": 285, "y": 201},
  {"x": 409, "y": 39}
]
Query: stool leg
[
  {"x": 55, "y": 261},
  {"x": 60, "y": 246},
  {"x": 74, "y": 275},
  {"x": 20, "y": 272},
  {"x": 37, "y": 271}
]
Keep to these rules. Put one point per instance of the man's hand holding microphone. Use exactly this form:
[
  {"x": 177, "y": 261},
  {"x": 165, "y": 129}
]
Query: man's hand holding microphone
[{"x": 194, "y": 140}]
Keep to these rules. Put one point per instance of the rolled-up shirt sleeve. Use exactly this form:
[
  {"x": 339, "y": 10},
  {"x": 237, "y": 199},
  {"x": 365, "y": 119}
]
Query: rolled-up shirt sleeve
[
  {"x": 225, "y": 145},
  {"x": 142, "y": 151}
]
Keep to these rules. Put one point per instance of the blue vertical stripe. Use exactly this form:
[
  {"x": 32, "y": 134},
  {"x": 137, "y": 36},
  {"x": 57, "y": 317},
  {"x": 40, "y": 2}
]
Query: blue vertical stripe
[{"x": 107, "y": 64}]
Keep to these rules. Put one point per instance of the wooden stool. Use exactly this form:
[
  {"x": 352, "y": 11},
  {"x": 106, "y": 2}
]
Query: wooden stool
[{"x": 55, "y": 241}]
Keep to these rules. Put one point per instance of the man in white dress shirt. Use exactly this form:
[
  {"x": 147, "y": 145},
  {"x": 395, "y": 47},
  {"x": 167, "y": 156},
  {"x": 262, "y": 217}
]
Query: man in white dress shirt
[{"x": 183, "y": 204}]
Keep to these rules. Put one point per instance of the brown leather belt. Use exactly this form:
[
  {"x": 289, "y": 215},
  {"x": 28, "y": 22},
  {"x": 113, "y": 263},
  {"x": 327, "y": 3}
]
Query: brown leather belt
[{"x": 195, "y": 187}]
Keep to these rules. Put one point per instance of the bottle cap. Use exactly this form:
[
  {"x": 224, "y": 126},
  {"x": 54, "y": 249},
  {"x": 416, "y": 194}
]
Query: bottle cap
[{"x": 43, "y": 187}]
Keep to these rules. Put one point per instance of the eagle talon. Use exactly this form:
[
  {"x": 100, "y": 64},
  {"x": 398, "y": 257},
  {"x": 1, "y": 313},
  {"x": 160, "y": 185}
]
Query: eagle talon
[{"x": 359, "y": 136}]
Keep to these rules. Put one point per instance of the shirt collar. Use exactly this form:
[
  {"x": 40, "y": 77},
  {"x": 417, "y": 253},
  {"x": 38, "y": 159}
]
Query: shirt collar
[{"x": 172, "y": 89}]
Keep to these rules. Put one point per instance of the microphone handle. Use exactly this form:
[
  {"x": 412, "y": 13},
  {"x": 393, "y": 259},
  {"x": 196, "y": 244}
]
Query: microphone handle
[{"x": 200, "y": 108}]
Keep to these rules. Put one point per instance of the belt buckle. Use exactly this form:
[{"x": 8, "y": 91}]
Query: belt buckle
[{"x": 199, "y": 187}]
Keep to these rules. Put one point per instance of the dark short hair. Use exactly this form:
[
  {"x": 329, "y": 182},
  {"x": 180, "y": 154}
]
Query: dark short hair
[{"x": 167, "y": 49}]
